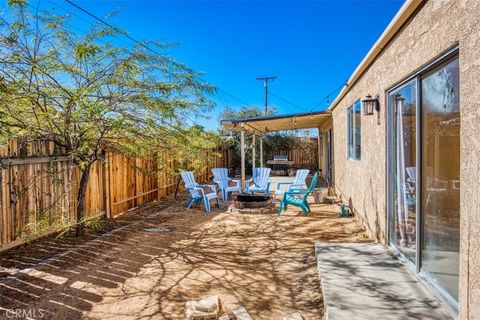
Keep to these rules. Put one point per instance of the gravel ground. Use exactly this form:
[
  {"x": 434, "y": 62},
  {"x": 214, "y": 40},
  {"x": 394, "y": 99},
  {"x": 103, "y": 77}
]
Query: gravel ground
[{"x": 263, "y": 262}]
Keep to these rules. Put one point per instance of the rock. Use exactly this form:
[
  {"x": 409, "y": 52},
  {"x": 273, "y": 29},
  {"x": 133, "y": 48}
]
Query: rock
[
  {"x": 293, "y": 316},
  {"x": 157, "y": 229},
  {"x": 225, "y": 317},
  {"x": 240, "y": 313},
  {"x": 193, "y": 314},
  {"x": 207, "y": 304}
]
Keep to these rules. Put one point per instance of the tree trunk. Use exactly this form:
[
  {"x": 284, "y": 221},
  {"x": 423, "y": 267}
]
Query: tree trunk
[
  {"x": 82, "y": 188},
  {"x": 177, "y": 186}
]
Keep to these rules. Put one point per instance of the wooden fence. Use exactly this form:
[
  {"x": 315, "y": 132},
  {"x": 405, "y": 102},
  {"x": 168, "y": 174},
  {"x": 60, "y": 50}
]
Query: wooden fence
[
  {"x": 303, "y": 157},
  {"x": 38, "y": 185}
]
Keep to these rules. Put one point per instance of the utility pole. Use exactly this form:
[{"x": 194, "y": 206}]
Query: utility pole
[{"x": 265, "y": 84}]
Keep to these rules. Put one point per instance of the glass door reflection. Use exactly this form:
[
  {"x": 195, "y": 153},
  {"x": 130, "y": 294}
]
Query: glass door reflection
[
  {"x": 441, "y": 176},
  {"x": 404, "y": 216}
]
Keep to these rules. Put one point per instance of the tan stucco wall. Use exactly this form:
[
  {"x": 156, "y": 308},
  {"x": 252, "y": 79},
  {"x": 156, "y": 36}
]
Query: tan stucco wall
[{"x": 437, "y": 26}]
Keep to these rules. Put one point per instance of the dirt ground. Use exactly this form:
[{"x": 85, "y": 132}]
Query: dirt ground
[{"x": 263, "y": 262}]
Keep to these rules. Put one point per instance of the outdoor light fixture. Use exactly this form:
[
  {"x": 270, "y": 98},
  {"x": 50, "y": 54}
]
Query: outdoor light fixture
[{"x": 370, "y": 104}]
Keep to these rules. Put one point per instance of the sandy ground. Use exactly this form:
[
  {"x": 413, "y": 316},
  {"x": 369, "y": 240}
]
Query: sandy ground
[{"x": 263, "y": 262}]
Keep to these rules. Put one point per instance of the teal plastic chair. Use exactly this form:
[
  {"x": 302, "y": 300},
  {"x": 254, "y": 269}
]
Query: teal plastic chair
[{"x": 298, "y": 197}]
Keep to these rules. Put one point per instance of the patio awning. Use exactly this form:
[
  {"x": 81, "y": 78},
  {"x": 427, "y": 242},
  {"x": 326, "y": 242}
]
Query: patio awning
[{"x": 259, "y": 125}]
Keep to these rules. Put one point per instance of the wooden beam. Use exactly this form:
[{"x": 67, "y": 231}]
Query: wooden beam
[
  {"x": 37, "y": 160},
  {"x": 137, "y": 196},
  {"x": 242, "y": 153}
]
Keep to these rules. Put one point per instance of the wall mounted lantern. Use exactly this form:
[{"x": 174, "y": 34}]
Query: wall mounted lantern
[{"x": 370, "y": 104}]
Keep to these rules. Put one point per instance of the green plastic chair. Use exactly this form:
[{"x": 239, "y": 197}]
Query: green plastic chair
[{"x": 298, "y": 197}]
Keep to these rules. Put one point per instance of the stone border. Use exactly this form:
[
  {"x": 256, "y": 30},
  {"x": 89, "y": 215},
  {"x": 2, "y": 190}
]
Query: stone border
[{"x": 271, "y": 209}]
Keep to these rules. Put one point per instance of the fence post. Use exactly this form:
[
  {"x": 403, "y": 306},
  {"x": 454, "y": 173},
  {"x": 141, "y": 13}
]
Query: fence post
[{"x": 106, "y": 168}]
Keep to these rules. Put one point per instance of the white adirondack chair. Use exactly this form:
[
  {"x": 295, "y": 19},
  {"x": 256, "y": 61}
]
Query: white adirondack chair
[
  {"x": 197, "y": 192},
  {"x": 298, "y": 183},
  {"x": 226, "y": 185},
  {"x": 260, "y": 181}
]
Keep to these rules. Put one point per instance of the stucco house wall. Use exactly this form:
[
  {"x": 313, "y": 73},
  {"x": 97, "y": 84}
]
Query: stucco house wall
[{"x": 435, "y": 27}]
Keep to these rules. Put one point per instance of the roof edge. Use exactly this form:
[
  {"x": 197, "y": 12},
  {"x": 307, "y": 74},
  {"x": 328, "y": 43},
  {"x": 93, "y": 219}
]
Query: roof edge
[
  {"x": 398, "y": 21},
  {"x": 272, "y": 117}
]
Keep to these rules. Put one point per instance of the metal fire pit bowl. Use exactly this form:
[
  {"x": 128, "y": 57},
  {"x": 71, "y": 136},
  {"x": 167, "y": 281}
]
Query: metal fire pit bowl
[{"x": 251, "y": 201}]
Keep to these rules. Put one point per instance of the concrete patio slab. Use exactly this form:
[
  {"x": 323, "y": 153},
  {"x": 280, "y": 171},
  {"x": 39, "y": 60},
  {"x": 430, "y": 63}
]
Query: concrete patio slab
[{"x": 365, "y": 281}]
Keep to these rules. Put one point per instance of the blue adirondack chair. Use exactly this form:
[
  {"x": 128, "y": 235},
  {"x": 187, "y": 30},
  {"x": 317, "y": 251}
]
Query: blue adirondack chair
[
  {"x": 298, "y": 197},
  {"x": 225, "y": 184},
  {"x": 198, "y": 192},
  {"x": 260, "y": 181},
  {"x": 297, "y": 183}
]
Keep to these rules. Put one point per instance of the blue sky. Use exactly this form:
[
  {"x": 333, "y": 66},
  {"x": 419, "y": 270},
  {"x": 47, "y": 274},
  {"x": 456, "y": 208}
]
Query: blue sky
[{"x": 312, "y": 46}]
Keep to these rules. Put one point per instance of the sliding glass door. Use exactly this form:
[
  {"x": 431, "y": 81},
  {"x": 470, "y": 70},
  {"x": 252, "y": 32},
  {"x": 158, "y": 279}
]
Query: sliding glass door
[
  {"x": 424, "y": 173},
  {"x": 441, "y": 176}
]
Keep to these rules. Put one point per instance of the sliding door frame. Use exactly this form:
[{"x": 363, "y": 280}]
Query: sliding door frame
[{"x": 416, "y": 266}]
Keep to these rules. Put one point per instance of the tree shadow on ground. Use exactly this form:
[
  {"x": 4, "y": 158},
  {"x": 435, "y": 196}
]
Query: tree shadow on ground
[{"x": 263, "y": 262}]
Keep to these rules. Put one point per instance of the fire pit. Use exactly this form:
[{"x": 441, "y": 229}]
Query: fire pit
[{"x": 252, "y": 203}]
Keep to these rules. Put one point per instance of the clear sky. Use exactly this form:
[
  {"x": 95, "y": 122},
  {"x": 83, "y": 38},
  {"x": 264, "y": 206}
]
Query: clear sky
[{"x": 312, "y": 46}]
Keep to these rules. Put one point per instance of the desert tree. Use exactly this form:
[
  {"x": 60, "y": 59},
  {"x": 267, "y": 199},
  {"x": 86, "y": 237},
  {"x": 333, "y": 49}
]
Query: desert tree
[{"x": 87, "y": 94}]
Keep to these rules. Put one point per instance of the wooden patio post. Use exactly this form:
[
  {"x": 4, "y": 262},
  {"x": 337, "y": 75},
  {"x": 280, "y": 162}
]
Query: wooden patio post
[
  {"x": 242, "y": 154},
  {"x": 319, "y": 151},
  {"x": 254, "y": 147},
  {"x": 261, "y": 152}
]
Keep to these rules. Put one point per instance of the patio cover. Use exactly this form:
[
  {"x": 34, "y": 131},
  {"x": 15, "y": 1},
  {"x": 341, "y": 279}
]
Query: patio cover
[
  {"x": 265, "y": 124},
  {"x": 260, "y": 125}
]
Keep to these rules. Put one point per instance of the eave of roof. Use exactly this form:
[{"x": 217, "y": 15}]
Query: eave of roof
[{"x": 402, "y": 16}]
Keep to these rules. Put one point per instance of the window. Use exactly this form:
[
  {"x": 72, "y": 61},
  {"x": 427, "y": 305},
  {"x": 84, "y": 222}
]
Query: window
[{"x": 354, "y": 131}]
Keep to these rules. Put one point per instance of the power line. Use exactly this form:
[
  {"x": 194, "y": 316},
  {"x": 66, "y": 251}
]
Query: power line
[
  {"x": 224, "y": 44},
  {"x": 140, "y": 43},
  {"x": 232, "y": 96},
  {"x": 327, "y": 97},
  {"x": 88, "y": 22},
  {"x": 112, "y": 27},
  {"x": 286, "y": 101},
  {"x": 114, "y": 36}
]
